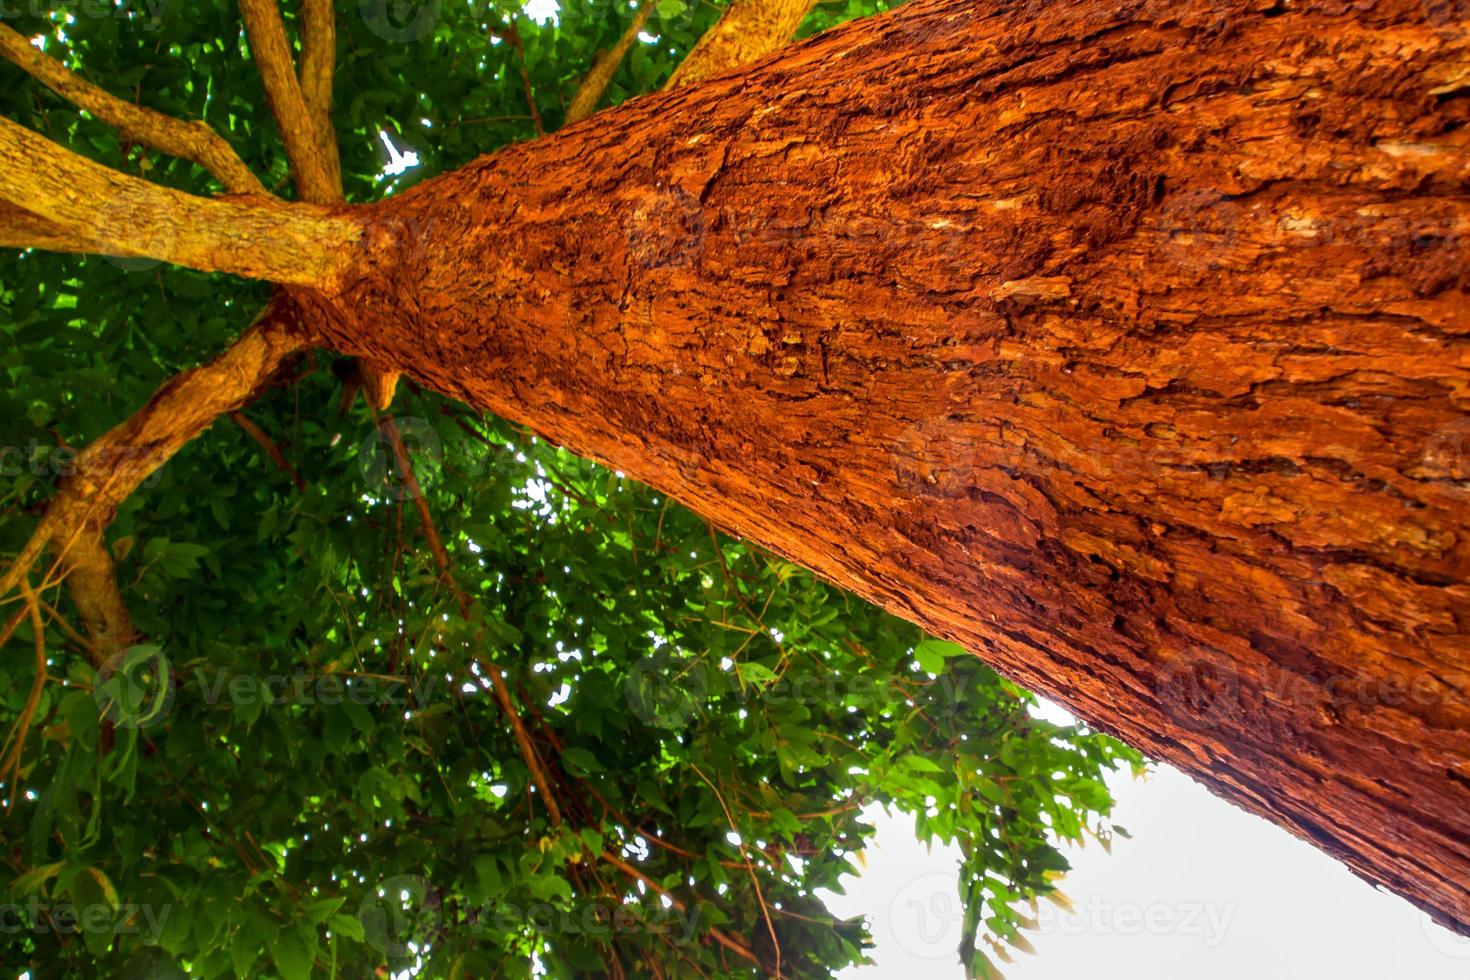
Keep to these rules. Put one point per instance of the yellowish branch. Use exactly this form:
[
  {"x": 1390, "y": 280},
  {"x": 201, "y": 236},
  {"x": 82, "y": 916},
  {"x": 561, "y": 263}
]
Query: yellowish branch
[
  {"x": 747, "y": 30},
  {"x": 16, "y": 739},
  {"x": 108, "y": 471},
  {"x": 318, "y": 62},
  {"x": 590, "y": 92},
  {"x": 193, "y": 141},
  {"x": 64, "y": 202},
  {"x": 313, "y": 159},
  {"x": 91, "y": 578}
]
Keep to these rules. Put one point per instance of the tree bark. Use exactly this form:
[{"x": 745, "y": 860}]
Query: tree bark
[{"x": 1125, "y": 344}]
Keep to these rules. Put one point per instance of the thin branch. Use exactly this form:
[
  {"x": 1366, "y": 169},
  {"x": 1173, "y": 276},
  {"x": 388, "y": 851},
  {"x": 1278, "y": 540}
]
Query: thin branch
[
  {"x": 605, "y": 65},
  {"x": 509, "y": 32},
  {"x": 313, "y": 160},
  {"x": 193, "y": 141},
  {"x": 111, "y": 468},
  {"x": 749, "y": 868},
  {"x": 747, "y": 30},
  {"x": 16, "y": 739},
  {"x": 416, "y": 493},
  {"x": 446, "y": 574},
  {"x": 271, "y": 449},
  {"x": 59, "y": 200},
  {"x": 733, "y": 945},
  {"x": 91, "y": 578}
]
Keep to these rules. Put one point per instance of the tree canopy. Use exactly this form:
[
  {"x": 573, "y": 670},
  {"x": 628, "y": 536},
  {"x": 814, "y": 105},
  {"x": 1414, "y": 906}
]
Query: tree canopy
[{"x": 473, "y": 708}]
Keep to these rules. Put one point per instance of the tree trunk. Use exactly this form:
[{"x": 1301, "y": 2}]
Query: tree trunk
[{"x": 1126, "y": 344}]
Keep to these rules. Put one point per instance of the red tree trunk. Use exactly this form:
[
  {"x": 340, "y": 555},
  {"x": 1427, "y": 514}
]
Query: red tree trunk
[{"x": 1126, "y": 344}]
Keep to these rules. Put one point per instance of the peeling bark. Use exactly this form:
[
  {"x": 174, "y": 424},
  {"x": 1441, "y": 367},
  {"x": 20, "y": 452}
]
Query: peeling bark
[{"x": 1128, "y": 345}]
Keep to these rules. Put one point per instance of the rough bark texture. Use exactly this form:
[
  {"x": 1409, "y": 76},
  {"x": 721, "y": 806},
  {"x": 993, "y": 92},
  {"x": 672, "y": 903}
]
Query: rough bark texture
[{"x": 1128, "y": 345}]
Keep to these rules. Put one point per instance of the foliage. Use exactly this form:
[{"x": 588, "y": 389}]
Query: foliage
[{"x": 306, "y": 771}]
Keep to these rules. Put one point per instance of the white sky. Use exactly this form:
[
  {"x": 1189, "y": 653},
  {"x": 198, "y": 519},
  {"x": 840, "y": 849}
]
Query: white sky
[{"x": 1203, "y": 891}]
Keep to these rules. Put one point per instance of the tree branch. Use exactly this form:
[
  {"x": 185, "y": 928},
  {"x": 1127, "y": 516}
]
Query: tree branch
[
  {"x": 64, "y": 202},
  {"x": 446, "y": 574},
  {"x": 318, "y": 62},
  {"x": 747, "y": 30},
  {"x": 510, "y": 33},
  {"x": 604, "y": 66},
  {"x": 271, "y": 449},
  {"x": 193, "y": 141},
  {"x": 91, "y": 577},
  {"x": 15, "y": 740},
  {"x": 749, "y": 868},
  {"x": 729, "y": 942},
  {"x": 111, "y": 468},
  {"x": 313, "y": 159}
]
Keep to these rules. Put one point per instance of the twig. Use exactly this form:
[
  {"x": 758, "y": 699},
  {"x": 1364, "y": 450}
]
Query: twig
[
  {"x": 604, "y": 66},
  {"x": 508, "y": 32},
  {"x": 192, "y": 141},
  {"x": 271, "y": 449},
  {"x": 733, "y": 945},
  {"x": 446, "y": 575},
  {"x": 10, "y": 767},
  {"x": 750, "y": 868}
]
